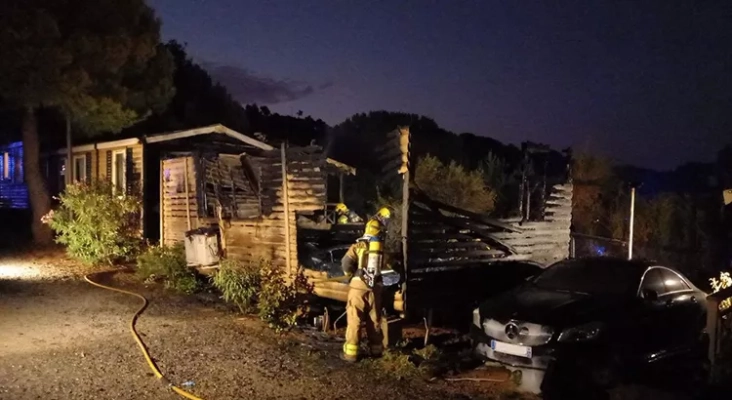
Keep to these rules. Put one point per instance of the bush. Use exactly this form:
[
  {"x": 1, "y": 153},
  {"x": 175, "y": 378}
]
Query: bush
[
  {"x": 280, "y": 303},
  {"x": 95, "y": 225},
  {"x": 453, "y": 184},
  {"x": 239, "y": 283},
  {"x": 169, "y": 265}
]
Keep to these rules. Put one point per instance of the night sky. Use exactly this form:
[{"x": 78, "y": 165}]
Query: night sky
[{"x": 648, "y": 83}]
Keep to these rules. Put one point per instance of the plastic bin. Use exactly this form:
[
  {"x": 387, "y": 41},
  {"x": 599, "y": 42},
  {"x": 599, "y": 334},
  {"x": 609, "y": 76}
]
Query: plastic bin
[{"x": 202, "y": 247}]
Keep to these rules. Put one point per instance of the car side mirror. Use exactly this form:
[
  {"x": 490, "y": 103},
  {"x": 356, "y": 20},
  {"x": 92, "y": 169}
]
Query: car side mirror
[{"x": 649, "y": 295}]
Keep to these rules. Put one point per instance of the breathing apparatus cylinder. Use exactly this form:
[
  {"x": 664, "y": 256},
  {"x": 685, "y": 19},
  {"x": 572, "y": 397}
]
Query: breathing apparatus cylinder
[{"x": 374, "y": 261}]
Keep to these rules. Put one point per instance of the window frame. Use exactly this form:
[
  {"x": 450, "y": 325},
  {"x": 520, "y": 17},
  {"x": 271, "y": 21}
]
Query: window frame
[
  {"x": 75, "y": 175},
  {"x": 6, "y": 166},
  {"x": 116, "y": 186},
  {"x": 689, "y": 285}
]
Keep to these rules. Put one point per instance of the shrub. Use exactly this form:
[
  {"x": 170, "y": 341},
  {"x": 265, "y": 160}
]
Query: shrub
[
  {"x": 239, "y": 283},
  {"x": 167, "y": 264},
  {"x": 453, "y": 184},
  {"x": 280, "y": 303},
  {"x": 95, "y": 225}
]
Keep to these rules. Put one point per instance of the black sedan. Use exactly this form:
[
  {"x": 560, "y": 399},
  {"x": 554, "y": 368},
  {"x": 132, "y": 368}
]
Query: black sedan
[{"x": 609, "y": 318}]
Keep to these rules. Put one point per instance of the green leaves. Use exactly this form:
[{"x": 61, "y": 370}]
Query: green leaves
[
  {"x": 264, "y": 288},
  {"x": 454, "y": 184},
  {"x": 100, "y": 63},
  {"x": 95, "y": 225},
  {"x": 239, "y": 283},
  {"x": 168, "y": 263}
]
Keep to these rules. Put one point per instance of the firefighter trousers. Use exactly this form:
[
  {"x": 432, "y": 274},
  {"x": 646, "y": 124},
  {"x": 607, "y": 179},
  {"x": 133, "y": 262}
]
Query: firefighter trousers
[{"x": 364, "y": 305}]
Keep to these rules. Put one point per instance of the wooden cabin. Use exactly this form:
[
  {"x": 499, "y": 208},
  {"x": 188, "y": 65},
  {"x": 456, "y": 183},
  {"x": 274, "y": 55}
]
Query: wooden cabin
[
  {"x": 182, "y": 177},
  {"x": 13, "y": 191},
  {"x": 256, "y": 197}
]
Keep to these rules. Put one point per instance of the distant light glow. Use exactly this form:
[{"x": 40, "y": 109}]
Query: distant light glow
[
  {"x": 599, "y": 250},
  {"x": 17, "y": 272}
]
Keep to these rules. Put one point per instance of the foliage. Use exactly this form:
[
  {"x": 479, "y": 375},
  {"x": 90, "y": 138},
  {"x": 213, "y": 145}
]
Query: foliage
[
  {"x": 453, "y": 184},
  {"x": 98, "y": 62},
  {"x": 394, "y": 364},
  {"x": 504, "y": 182},
  {"x": 591, "y": 176},
  {"x": 401, "y": 363},
  {"x": 95, "y": 225},
  {"x": 167, "y": 263},
  {"x": 239, "y": 283},
  {"x": 724, "y": 282},
  {"x": 280, "y": 302},
  {"x": 394, "y": 228}
]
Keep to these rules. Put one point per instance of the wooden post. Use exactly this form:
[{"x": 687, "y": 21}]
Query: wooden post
[
  {"x": 69, "y": 154},
  {"x": 405, "y": 235},
  {"x": 142, "y": 190},
  {"x": 341, "y": 197},
  {"x": 286, "y": 204},
  {"x": 712, "y": 331},
  {"x": 222, "y": 234},
  {"x": 162, "y": 202},
  {"x": 185, "y": 180}
]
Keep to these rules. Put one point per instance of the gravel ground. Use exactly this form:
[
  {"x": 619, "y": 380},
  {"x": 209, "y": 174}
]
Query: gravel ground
[{"x": 61, "y": 338}]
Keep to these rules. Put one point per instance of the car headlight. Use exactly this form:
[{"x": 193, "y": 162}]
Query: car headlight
[{"x": 581, "y": 333}]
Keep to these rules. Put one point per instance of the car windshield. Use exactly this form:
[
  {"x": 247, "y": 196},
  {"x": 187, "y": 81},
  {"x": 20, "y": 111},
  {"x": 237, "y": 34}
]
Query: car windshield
[{"x": 595, "y": 277}]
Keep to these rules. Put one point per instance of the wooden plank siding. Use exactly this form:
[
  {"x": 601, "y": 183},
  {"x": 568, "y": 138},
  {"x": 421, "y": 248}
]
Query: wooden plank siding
[
  {"x": 265, "y": 237},
  {"x": 179, "y": 196},
  {"x": 547, "y": 241}
]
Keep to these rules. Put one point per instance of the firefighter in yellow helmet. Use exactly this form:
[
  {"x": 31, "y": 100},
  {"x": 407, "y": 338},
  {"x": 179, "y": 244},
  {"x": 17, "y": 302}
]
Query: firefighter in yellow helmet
[
  {"x": 363, "y": 262},
  {"x": 346, "y": 216}
]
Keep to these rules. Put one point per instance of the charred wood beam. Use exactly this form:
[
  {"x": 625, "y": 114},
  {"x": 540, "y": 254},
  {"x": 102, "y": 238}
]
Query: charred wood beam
[{"x": 423, "y": 198}]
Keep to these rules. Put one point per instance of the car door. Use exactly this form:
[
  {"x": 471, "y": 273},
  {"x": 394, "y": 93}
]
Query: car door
[
  {"x": 653, "y": 321},
  {"x": 683, "y": 308}
]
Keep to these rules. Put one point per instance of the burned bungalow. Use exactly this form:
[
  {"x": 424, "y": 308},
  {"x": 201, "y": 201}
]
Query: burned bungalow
[
  {"x": 199, "y": 177},
  {"x": 448, "y": 257}
]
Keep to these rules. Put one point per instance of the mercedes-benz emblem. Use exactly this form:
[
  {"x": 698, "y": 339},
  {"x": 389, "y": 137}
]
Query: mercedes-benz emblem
[{"x": 512, "y": 330}]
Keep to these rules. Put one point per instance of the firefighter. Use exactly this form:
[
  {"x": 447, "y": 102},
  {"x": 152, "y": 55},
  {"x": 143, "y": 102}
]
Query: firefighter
[
  {"x": 363, "y": 262},
  {"x": 380, "y": 220},
  {"x": 346, "y": 216}
]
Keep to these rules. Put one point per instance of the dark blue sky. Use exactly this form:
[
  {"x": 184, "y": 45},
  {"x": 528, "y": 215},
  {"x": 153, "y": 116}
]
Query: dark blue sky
[{"x": 646, "y": 82}]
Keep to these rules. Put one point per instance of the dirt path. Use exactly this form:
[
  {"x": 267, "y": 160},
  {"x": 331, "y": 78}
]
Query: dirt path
[{"x": 61, "y": 338}]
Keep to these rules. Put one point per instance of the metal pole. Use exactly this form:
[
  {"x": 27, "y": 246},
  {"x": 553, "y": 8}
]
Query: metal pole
[{"x": 632, "y": 217}]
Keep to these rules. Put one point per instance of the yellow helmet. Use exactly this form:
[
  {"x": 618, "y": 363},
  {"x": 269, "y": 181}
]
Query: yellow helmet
[
  {"x": 373, "y": 228},
  {"x": 340, "y": 207},
  {"x": 384, "y": 213}
]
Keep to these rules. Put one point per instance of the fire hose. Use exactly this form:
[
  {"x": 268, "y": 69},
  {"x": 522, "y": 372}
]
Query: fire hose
[{"x": 139, "y": 341}]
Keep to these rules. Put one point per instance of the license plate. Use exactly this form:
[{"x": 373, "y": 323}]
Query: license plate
[{"x": 512, "y": 349}]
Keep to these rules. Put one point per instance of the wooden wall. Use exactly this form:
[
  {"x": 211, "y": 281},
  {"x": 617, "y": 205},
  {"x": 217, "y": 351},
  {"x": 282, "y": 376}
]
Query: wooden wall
[
  {"x": 224, "y": 183},
  {"x": 178, "y": 198},
  {"x": 273, "y": 235},
  {"x": 547, "y": 241}
]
